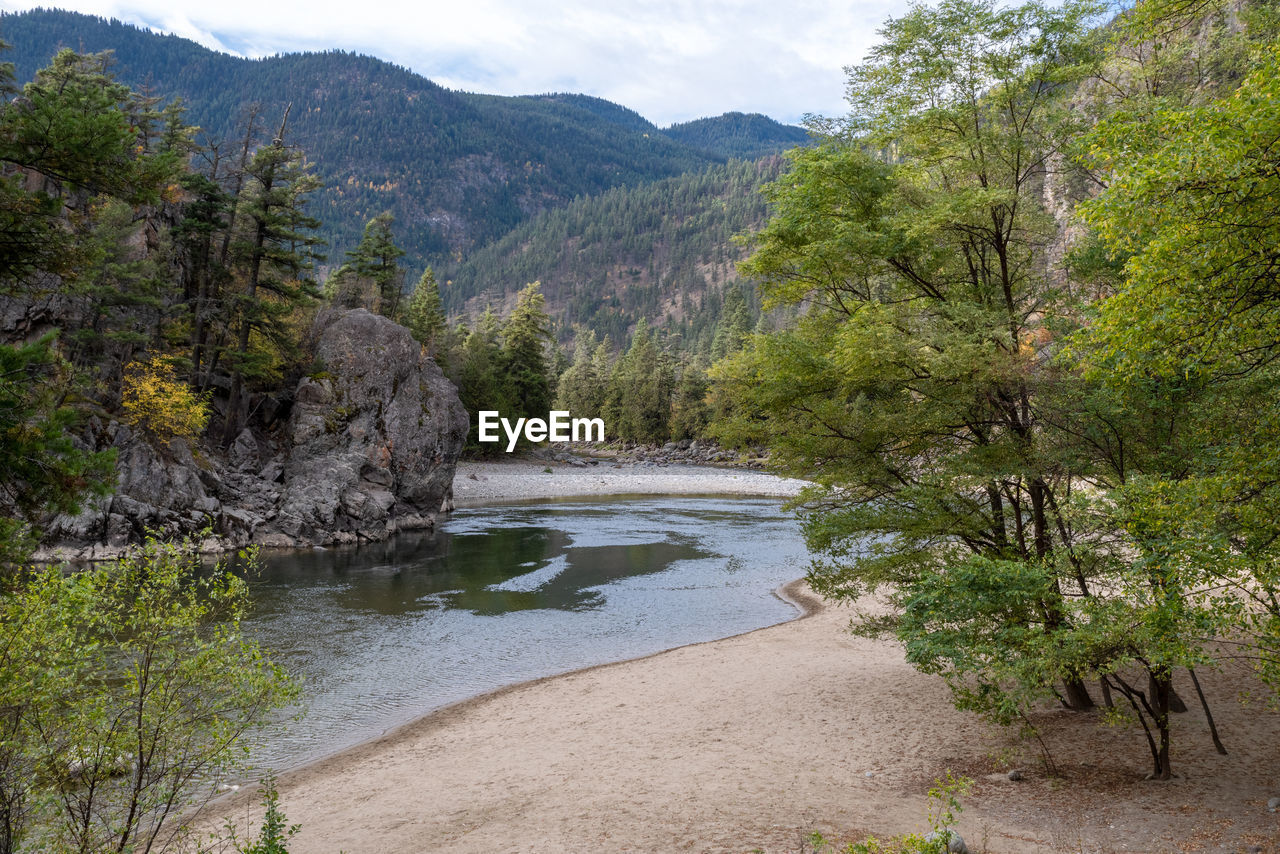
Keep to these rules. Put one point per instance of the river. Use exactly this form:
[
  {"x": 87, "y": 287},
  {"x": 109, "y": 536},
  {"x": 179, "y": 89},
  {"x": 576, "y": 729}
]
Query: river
[{"x": 383, "y": 634}]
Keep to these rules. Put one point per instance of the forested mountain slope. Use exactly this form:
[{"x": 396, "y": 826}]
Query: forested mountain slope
[
  {"x": 742, "y": 135},
  {"x": 661, "y": 251},
  {"x": 456, "y": 169}
]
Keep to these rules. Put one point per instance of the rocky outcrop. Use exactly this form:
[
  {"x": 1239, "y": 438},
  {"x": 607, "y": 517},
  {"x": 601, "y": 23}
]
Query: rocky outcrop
[
  {"x": 374, "y": 436},
  {"x": 368, "y": 448}
]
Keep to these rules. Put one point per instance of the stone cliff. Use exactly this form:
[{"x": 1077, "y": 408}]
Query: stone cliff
[{"x": 368, "y": 448}]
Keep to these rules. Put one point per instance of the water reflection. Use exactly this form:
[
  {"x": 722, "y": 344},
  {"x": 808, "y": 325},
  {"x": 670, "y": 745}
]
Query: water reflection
[{"x": 497, "y": 595}]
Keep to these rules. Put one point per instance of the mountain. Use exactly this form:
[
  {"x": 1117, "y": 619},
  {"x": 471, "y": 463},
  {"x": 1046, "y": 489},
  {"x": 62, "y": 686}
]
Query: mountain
[
  {"x": 662, "y": 251},
  {"x": 456, "y": 169},
  {"x": 746, "y": 136}
]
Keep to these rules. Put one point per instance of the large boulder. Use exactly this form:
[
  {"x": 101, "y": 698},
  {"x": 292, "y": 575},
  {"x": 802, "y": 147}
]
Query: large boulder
[
  {"x": 369, "y": 449},
  {"x": 374, "y": 436}
]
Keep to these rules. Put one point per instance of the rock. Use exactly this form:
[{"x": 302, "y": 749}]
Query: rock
[
  {"x": 369, "y": 450},
  {"x": 1015, "y": 775},
  {"x": 374, "y": 443},
  {"x": 1273, "y": 805},
  {"x": 243, "y": 452},
  {"x": 272, "y": 471},
  {"x": 955, "y": 842}
]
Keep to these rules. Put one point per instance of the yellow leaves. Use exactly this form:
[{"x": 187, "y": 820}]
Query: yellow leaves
[{"x": 153, "y": 400}]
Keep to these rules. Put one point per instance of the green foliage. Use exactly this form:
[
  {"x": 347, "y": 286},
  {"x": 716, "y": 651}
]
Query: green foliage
[
  {"x": 640, "y": 390},
  {"x": 990, "y": 487},
  {"x": 944, "y": 809},
  {"x": 44, "y": 471},
  {"x": 526, "y": 333},
  {"x": 275, "y": 833},
  {"x": 127, "y": 689},
  {"x": 581, "y": 388},
  {"x": 376, "y": 261},
  {"x": 424, "y": 315},
  {"x": 272, "y": 257},
  {"x": 1039, "y": 514},
  {"x": 1186, "y": 338}
]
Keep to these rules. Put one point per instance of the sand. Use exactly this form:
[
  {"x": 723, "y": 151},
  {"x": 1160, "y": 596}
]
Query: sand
[
  {"x": 518, "y": 480},
  {"x": 753, "y": 742}
]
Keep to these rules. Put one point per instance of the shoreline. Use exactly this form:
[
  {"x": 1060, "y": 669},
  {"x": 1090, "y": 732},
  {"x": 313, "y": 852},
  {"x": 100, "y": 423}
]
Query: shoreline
[
  {"x": 478, "y": 483},
  {"x": 794, "y": 593},
  {"x": 753, "y": 741}
]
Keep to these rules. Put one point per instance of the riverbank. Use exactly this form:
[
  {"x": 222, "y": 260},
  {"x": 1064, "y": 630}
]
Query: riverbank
[
  {"x": 752, "y": 742},
  {"x": 526, "y": 480}
]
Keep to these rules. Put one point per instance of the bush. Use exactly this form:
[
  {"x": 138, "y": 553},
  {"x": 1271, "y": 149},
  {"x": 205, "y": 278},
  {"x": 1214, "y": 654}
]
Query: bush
[
  {"x": 126, "y": 690},
  {"x": 155, "y": 401}
]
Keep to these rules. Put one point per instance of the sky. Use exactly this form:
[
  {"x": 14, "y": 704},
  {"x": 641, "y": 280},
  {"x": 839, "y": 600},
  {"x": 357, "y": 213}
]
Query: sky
[{"x": 671, "y": 61}]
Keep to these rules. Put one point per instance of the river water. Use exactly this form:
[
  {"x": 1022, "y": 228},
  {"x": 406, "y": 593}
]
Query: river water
[{"x": 497, "y": 595}]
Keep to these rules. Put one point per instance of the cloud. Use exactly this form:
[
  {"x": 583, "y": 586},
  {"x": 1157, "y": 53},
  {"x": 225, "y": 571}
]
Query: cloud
[{"x": 670, "y": 60}]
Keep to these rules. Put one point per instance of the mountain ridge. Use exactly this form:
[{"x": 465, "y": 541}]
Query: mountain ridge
[{"x": 458, "y": 170}]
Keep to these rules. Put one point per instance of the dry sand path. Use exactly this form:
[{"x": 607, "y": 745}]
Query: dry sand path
[{"x": 752, "y": 742}]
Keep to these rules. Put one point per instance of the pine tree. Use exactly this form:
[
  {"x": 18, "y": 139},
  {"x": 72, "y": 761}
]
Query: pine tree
[
  {"x": 272, "y": 256},
  {"x": 581, "y": 388},
  {"x": 424, "y": 315},
  {"x": 376, "y": 260},
  {"x": 525, "y": 337},
  {"x": 643, "y": 381}
]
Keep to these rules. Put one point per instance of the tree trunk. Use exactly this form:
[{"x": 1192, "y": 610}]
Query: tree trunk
[
  {"x": 1162, "y": 687},
  {"x": 1176, "y": 705},
  {"x": 1078, "y": 698},
  {"x": 1204, "y": 704}
]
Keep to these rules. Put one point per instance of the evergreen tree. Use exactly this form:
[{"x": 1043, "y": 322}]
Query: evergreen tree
[
  {"x": 689, "y": 411},
  {"x": 581, "y": 388},
  {"x": 480, "y": 378},
  {"x": 376, "y": 260},
  {"x": 526, "y": 334},
  {"x": 273, "y": 255},
  {"x": 424, "y": 315},
  {"x": 643, "y": 382},
  {"x": 44, "y": 471}
]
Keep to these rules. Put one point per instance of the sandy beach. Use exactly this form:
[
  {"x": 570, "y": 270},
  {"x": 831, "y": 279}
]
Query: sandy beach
[{"x": 752, "y": 742}]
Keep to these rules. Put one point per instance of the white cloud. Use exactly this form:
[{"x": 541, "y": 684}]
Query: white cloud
[{"x": 669, "y": 60}]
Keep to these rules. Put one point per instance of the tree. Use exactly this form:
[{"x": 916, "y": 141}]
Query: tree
[
  {"x": 151, "y": 398},
  {"x": 1190, "y": 222},
  {"x": 689, "y": 411},
  {"x": 581, "y": 389},
  {"x": 43, "y": 471},
  {"x": 376, "y": 259},
  {"x": 127, "y": 690},
  {"x": 424, "y": 316},
  {"x": 910, "y": 390},
  {"x": 641, "y": 388},
  {"x": 273, "y": 255},
  {"x": 526, "y": 334},
  {"x": 479, "y": 379}
]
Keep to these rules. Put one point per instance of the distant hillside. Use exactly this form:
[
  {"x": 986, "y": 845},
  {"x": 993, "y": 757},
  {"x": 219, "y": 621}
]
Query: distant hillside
[
  {"x": 741, "y": 135},
  {"x": 456, "y": 169},
  {"x": 663, "y": 252}
]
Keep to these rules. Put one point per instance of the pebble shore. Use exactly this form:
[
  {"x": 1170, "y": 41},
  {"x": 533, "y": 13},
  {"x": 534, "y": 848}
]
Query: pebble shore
[{"x": 529, "y": 480}]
